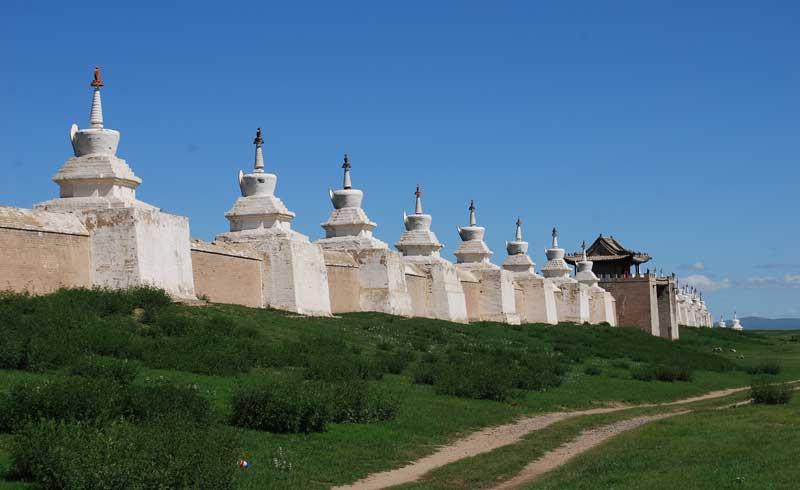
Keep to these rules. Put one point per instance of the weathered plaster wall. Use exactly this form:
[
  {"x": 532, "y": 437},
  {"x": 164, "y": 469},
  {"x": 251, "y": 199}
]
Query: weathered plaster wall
[
  {"x": 573, "y": 303},
  {"x": 667, "y": 311},
  {"x": 297, "y": 276},
  {"x": 343, "y": 284},
  {"x": 382, "y": 282},
  {"x": 41, "y": 252},
  {"x": 419, "y": 290},
  {"x": 496, "y": 296},
  {"x": 636, "y": 303},
  {"x": 133, "y": 246},
  {"x": 539, "y": 303},
  {"x": 472, "y": 295},
  {"x": 226, "y": 275}
]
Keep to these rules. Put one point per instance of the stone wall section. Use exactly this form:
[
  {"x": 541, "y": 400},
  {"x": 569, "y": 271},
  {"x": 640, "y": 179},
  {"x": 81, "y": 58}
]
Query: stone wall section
[
  {"x": 41, "y": 252},
  {"x": 636, "y": 302},
  {"x": 343, "y": 285},
  {"x": 225, "y": 274}
]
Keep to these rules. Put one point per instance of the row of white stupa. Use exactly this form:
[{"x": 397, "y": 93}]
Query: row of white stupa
[
  {"x": 691, "y": 308},
  {"x": 133, "y": 243},
  {"x": 735, "y": 323}
]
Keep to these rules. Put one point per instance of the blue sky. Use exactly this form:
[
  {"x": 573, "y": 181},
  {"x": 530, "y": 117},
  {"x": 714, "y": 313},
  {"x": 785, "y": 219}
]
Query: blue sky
[{"x": 671, "y": 125}]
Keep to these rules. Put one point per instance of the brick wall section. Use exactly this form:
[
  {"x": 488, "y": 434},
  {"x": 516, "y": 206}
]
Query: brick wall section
[
  {"x": 637, "y": 304},
  {"x": 41, "y": 252},
  {"x": 224, "y": 276}
]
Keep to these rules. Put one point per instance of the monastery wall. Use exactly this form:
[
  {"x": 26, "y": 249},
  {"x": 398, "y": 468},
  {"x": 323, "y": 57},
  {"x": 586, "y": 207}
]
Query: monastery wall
[
  {"x": 636, "y": 302},
  {"x": 667, "y": 311},
  {"x": 42, "y": 252},
  {"x": 419, "y": 288},
  {"x": 227, "y": 274},
  {"x": 343, "y": 285}
]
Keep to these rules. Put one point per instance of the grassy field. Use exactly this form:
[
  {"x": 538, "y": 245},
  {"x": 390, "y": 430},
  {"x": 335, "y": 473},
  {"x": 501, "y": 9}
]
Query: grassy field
[{"x": 462, "y": 374}]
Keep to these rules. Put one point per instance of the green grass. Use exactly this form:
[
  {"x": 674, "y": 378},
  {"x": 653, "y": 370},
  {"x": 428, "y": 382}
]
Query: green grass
[
  {"x": 219, "y": 347},
  {"x": 751, "y": 446}
]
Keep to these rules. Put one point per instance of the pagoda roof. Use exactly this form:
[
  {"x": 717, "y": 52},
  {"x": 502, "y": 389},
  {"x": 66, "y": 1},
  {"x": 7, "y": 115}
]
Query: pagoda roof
[{"x": 607, "y": 248}]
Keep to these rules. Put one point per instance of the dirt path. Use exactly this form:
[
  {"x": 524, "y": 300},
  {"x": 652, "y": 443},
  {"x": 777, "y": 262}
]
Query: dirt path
[
  {"x": 585, "y": 441},
  {"x": 492, "y": 438}
]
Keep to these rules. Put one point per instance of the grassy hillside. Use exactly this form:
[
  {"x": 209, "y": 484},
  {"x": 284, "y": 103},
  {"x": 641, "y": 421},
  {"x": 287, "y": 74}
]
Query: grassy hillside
[{"x": 103, "y": 387}]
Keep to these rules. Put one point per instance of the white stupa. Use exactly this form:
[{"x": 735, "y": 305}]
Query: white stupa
[
  {"x": 133, "y": 243},
  {"x": 735, "y": 324},
  {"x": 95, "y": 177},
  {"x": 538, "y": 294},
  {"x": 518, "y": 259},
  {"x": 495, "y": 286},
  {"x": 348, "y": 227},
  {"x": 297, "y": 279},
  {"x": 473, "y": 250},
  {"x": 435, "y": 280},
  {"x": 556, "y": 267},
  {"x": 573, "y": 300},
  {"x": 722, "y": 323},
  {"x": 418, "y": 239},
  {"x": 381, "y": 282}
]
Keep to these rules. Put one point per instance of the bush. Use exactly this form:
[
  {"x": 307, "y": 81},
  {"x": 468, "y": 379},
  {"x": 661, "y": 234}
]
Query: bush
[
  {"x": 169, "y": 454},
  {"x": 770, "y": 393},
  {"x": 393, "y": 362},
  {"x": 621, "y": 364},
  {"x": 120, "y": 370},
  {"x": 97, "y": 401},
  {"x": 649, "y": 372},
  {"x": 283, "y": 406},
  {"x": 765, "y": 367},
  {"x": 357, "y": 401},
  {"x": 592, "y": 371},
  {"x": 61, "y": 398},
  {"x": 157, "y": 400}
]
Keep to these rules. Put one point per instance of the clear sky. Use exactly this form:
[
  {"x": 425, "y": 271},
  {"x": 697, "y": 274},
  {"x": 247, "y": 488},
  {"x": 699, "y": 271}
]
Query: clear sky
[{"x": 674, "y": 126}]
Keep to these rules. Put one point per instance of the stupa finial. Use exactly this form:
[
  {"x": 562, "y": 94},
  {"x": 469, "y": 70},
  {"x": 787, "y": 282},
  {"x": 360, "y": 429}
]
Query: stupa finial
[
  {"x": 555, "y": 237},
  {"x": 346, "y": 166},
  {"x": 518, "y": 235},
  {"x": 259, "y": 163},
  {"x": 96, "y": 114},
  {"x": 583, "y": 250},
  {"x": 472, "y": 220},
  {"x": 418, "y": 193}
]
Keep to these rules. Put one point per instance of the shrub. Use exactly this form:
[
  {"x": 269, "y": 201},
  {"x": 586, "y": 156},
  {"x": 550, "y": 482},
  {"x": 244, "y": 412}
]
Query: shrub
[
  {"x": 764, "y": 391},
  {"x": 169, "y": 454},
  {"x": 423, "y": 373},
  {"x": 592, "y": 371},
  {"x": 283, "y": 406},
  {"x": 157, "y": 400},
  {"x": 97, "y": 401},
  {"x": 393, "y": 362},
  {"x": 765, "y": 367},
  {"x": 621, "y": 364},
  {"x": 120, "y": 370},
  {"x": 61, "y": 398},
  {"x": 650, "y": 372},
  {"x": 357, "y": 401}
]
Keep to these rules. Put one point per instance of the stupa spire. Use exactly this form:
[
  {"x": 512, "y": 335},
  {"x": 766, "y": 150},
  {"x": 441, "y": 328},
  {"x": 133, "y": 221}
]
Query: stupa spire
[
  {"x": 259, "y": 163},
  {"x": 518, "y": 235},
  {"x": 96, "y": 114},
  {"x": 472, "y": 220},
  {"x": 418, "y": 193},
  {"x": 346, "y": 167},
  {"x": 583, "y": 250},
  {"x": 555, "y": 238}
]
